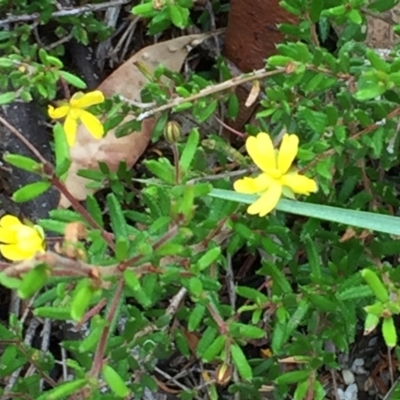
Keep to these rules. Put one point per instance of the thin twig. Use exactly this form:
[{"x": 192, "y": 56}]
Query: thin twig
[
  {"x": 101, "y": 347},
  {"x": 24, "y": 140},
  {"x": 64, "y": 13},
  {"x": 220, "y": 87}
]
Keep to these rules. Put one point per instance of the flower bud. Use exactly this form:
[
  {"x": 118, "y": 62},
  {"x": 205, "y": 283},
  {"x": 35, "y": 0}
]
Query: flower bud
[
  {"x": 172, "y": 132},
  {"x": 223, "y": 374}
]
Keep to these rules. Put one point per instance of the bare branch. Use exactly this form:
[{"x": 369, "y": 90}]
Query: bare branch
[{"x": 64, "y": 13}]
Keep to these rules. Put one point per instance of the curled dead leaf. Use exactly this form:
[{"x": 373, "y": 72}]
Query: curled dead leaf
[{"x": 128, "y": 82}]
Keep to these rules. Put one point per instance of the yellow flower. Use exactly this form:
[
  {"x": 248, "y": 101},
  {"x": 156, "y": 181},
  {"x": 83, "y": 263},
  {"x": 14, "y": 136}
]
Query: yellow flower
[
  {"x": 20, "y": 241},
  {"x": 75, "y": 112},
  {"x": 276, "y": 177}
]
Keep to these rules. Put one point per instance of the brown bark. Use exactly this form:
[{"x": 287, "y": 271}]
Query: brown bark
[{"x": 251, "y": 37}]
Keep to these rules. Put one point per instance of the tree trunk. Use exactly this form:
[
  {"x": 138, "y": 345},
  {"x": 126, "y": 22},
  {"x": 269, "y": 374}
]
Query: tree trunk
[{"x": 251, "y": 37}]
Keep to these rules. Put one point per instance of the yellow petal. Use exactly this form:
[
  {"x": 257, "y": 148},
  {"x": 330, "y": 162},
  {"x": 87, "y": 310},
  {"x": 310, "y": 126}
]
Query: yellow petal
[
  {"x": 266, "y": 202},
  {"x": 287, "y": 152},
  {"x": 13, "y": 253},
  {"x": 261, "y": 150},
  {"x": 253, "y": 185},
  {"x": 70, "y": 127},
  {"x": 299, "y": 183},
  {"x": 29, "y": 240},
  {"x": 9, "y": 221},
  {"x": 92, "y": 124},
  {"x": 89, "y": 99},
  {"x": 59, "y": 112},
  {"x": 8, "y": 235}
]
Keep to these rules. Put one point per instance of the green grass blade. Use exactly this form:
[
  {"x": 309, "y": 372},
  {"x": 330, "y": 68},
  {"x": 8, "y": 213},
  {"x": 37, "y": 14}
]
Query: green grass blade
[{"x": 361, "y": 219}]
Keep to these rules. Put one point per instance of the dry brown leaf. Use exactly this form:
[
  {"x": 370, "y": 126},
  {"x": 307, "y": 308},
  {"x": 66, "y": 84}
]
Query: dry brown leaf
[
  {"x": 192, "y": 340},
  {"x": 253, "y": 95},
  {"x": 127, "y": 81}
]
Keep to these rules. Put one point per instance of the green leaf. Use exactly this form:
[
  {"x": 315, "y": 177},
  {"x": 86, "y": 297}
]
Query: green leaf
[
  {"x": 189, "y": 150},
  {"x": 279, "y": 61},
  {"x": 177, "y": 16},
  {"x": 132, "y": 280},
  {"x": 80, "y": 299},
  {"x": 252, "y": 294},
  {"x": 23, "y": 162},
  {"x": 182, "y": 107},
  {"x": 61, "y": 151},
  {"x": 162, "y": 169},
  {"x": 53, "y": 226},
  {"x": 115, "y": 382},
  {"x": 297, "y": 317},
  {"x": 316, "y": 120},
  {"x": 314, "y": 83},
  {"x": 292, "y": 377},
  {"x": 322, "y": 302},
  {"x": 208, "y": 258},
  {"x": 33, "y": 281},
  {"x": 214, "y": 349},
  {"x": 30, "y": 191},
  {"x": 92, "y": 174},
  {"x": 89, "y": 342},
  {"x": 301, "y": 390},
  {"x": 278, "y": 277},
  {"x": 42, "y": 53},
  {"x": 241, "y": 363},
  {"x": 118, "y": 222},
  {"x": 233, "y": 106},
  {"x": 121, "y": 249},
  {"x": 240, "y": 331},
  {"x": 8, "y": 97},
  {"x": 144, "y": 9},
  {"x": 371, "y": 322},
  {"x": 73, "y": 80},
  {"x": 182, "y": 343},
  {"x": 389, "y": 332},
  {"x": 62, "y": 169},
  {"x": 94, "y": 210},
  {"x": 9, "y": 281},
  {"x": 335, "y": 11},
  {"x": 6, "y": 62},
  {"x": 369, "y": 89},
  {"x": 376, "y": 309},
  {"x": 56, "y": 313},
  {"x": 376, "y": 285},
  {"x": 195, "y": 286},
  {"x": 186, "y": 207},
  {"x": 355, "y": 292},
  {"x": 25, "y": 96},
  {"x": 63, "y": 390},
  {"x": 355, "y": 17},
  {"x": 196, "y": 317},
  {"x": 382, "y": 5},
  {"x": 361, "y": 219},
  {"x": 159, "y": 126},
  {"x": 207, "y": 112},
  {"x": 185, "y": 3},
  {"x": 206, "y": 339},
  {"x": 313, "y": 257},
  {"x": 51, "y": 60},
  {"x": 376, "y": 61}
]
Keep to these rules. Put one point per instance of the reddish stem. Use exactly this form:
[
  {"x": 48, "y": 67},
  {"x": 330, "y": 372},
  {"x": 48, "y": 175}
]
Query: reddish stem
[
  {"x": 81, "y": 210},
  {"x": 99, "y": 354}
]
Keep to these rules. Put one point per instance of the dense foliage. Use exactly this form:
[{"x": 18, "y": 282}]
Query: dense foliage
[{"x": 166, "y": 265}]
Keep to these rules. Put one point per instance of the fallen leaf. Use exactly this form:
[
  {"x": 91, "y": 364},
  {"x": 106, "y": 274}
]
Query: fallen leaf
[
  {"x": 128, "y": 82},
  {"x": 253, "y": 95}
]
